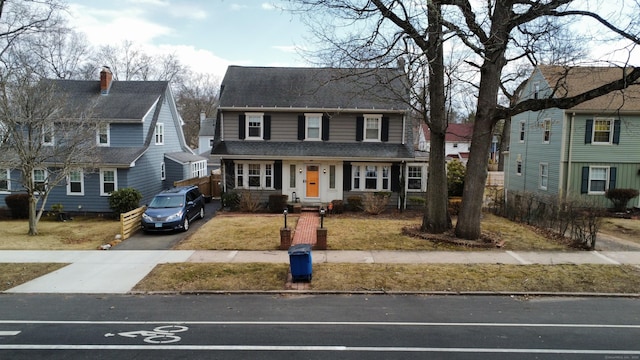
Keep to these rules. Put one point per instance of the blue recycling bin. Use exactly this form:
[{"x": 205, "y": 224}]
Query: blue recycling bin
[{"x": 300, "y": 262}]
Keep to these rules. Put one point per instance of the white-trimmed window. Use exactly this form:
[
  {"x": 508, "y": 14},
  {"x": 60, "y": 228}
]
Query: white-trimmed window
[
  {"x": 5, "y": 180},
  {"x": 598, "y": 179},
  {"x": 108, "y": 181},
  {"x": 371, "y": 177},
  {"x": 253, "y": 175},
  {"x": 255, "y": 126},
  {"x": 372, "y": 127},
  {"x": 163, "y": 171},
  {"x": 103, "y": 134},
  {"x": 75, "y": 182},
  {"x": 40, "y": 179},
  {"x": 332, "y": 176},
  {"x": 536, "y": 90},
  {"x": 546, "y": 137},
  {"x": 313, "y": 126},
  {"x": 199, "y": 169},
  {"x": 414, "y": 177},
  {"x": 522, "y": 129},
  {"x": 48, "y": 132},
  {"x": 159, "y": 134},
  {"x": 292, "y": 176},
  {"x": 602, "y": 131},
  {"x": 544, "y": 176}
]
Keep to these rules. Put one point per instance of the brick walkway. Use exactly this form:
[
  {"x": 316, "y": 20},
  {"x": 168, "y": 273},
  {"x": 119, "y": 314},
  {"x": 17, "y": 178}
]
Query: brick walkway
[{"x": 304, "y": 233}]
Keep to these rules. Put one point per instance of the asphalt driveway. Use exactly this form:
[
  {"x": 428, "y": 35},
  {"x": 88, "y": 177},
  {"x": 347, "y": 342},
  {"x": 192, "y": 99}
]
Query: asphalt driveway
[{"x": 165, "y": 241}]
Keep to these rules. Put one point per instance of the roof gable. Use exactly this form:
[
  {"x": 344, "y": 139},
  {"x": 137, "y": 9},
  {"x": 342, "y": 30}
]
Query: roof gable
[
  {"x": 569, "y": 81},
  {"x": 331, "y": 88}
]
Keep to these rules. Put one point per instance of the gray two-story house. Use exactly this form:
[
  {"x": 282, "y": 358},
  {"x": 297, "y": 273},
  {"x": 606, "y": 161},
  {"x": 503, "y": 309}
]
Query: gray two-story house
[
  {"x": 578, "y": 152},
  {"x": 140, "y": 144},
  {"x": 316, "y": 134}
]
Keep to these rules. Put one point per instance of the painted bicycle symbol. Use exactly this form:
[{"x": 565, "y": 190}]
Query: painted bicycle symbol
[{"x": 159, "y": 335}]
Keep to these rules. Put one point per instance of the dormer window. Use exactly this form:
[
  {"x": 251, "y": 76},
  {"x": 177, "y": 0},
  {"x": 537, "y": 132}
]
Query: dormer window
[
  {"x": 47, "y": 135},
  {"x": 103, "y": 137}
]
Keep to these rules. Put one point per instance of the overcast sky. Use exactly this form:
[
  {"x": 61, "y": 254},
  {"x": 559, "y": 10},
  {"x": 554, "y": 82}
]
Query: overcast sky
[{"x": 208, "y": 35}]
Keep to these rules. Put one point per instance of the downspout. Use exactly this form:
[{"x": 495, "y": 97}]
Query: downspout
[{"x": 571, "y": 124}]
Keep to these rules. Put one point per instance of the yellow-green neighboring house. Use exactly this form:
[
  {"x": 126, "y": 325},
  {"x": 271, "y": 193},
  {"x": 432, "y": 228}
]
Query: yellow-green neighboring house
[{"x": 578, "y": 152}]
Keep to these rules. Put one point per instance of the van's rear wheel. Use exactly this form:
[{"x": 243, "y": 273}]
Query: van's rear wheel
[{"x": 202, "y": 213}]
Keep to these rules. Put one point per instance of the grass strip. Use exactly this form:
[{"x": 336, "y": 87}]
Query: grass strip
[
  {"x": 398, "y": 277},
  {"x": 14, "y": 274}
]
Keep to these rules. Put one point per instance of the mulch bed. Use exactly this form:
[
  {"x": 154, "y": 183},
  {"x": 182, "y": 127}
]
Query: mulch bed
[{"x": 486, "y": 241}]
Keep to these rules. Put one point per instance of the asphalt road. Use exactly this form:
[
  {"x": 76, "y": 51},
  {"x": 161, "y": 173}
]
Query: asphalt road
[
  {"x": 166, "y": 240},
  {"x": 317, "y": 327}
]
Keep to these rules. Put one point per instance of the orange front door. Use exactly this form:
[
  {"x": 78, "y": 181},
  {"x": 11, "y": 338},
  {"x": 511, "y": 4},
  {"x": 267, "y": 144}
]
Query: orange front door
[{"x": 312, "y": 181}]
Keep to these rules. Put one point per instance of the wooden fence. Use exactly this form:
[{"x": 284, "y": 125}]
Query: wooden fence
[
  {"x": 130, "y": 222},
  {"x": 210, "y": 186}
]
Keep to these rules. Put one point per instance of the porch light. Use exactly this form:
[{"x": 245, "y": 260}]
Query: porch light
[{"x": 300, "y": 170}]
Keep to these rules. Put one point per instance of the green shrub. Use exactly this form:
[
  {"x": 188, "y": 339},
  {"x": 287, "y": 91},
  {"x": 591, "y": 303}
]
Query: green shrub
[
  {"x": 337, "y": 206},
  {"x": 19, "y": 205},
  {"x": 455, "y": 177},
  {"x": 620, "y": 198},
  {"x": 416, "y": 200},
  {"x": 230, "y": 200},
  {"x": 354, "y": 203},
  {"x": 124, "y": 200},
  {"x": 277, "y": 202}
]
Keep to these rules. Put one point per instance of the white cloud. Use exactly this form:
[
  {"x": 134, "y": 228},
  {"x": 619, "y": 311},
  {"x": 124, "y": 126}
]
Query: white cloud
[
  {"x": 267, "y": 6},
  {"x": 164, "y": 3},
  {"x": 198, "y": 60},
  {"x": 188, "y": 12},
  {"x": 237, "y": 7},
  {"x": 286, "y": 48}
]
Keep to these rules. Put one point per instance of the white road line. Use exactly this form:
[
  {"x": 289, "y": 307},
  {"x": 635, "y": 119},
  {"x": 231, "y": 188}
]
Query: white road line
[
  {"x": 319, "y": 348},
  {"x": 329, "y": 323},
  {"x": 9, "y": 333}
]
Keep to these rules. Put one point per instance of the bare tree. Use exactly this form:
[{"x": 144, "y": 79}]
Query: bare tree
[
  {"x": 45, "y": 138},
  {"x": 497, "y": 32},
  {"x": 196, "y": 94}
]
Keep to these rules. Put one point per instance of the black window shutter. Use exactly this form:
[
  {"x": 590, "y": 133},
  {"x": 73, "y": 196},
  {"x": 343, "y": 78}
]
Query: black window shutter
[
  {"x": 346, "y": 176},
  {"x": 385, "y": 129},
  {"x": 395, "y": 178},
  {"x": 325, "y": 127},
  {"x": 613, "y": 172},
  {"x": 300, "y": 127},
  {"x": 266, "y": 133},
  {"x": 230, "y": 174},
  {"x": 359, "y": 128},
  {"x": 616, "y": 132},
  {"x": 585, "y": 180},
  {"x": 588, "y": 130},
  {"x": 277, "y": 174},
  {"x": 241, "y": 126}
]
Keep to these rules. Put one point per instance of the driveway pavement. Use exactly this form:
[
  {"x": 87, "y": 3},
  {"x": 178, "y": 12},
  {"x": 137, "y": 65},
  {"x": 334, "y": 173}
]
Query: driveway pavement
[{"x": 166, "y": 241}]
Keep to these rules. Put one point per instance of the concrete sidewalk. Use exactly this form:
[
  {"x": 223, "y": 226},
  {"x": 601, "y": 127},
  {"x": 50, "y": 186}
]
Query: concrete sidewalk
[{"x": 117, "y": 272}]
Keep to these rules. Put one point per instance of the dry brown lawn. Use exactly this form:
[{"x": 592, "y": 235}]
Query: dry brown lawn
[
  {"x": 81, "y": 233},
  {"x": 352, "y": 231},
  {"x": 628, "y": 229},
  {"x": 14, "y": 274},
  {"x": 193, "y": 277}
]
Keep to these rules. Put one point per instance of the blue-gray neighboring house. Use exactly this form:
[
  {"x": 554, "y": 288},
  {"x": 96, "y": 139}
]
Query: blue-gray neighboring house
[{"x": 140, "y": 144}]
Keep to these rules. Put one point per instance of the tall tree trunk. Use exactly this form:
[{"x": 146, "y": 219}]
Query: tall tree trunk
[
  {"x": 468, "y": 225},
  {"x": 33, "y": 212},
  {"x": 436, "y": 216},
  {"x": 504, "y": 142}
]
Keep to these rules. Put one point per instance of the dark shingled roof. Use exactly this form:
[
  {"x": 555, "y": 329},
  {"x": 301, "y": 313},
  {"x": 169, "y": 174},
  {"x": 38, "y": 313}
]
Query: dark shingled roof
[
  {"x": 310, "y": 149},
  {"x": 126, "y": 100},
  {"x": 119, "y": 156},
  {"x": 329, "y": 88}
]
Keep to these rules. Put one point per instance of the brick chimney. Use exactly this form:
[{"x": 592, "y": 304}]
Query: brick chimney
[{"x": 105, "y": 80}]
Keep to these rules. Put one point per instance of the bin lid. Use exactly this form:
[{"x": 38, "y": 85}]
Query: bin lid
[{"x": 300, "y": 249}]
